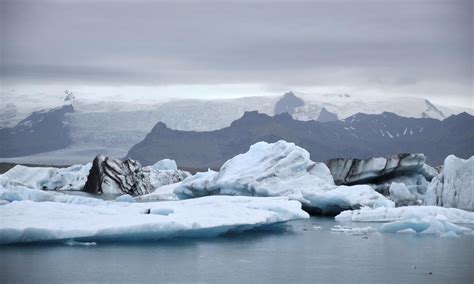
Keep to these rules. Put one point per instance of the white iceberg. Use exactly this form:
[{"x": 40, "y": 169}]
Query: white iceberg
[
  {"x": 279, "y": 169},
  {"x": 164, "y": 165},
  {"x": 12, "y": 190},
  {"x": 437, "y": 225},
  {"x": 454, "y": 187},
  {"x": 48, "y": 178},
  {"x": 343, "y": 197},
  {"x": 27, "y": 221},
  {"x": 401, "y": 195},
  {"x": 162, "y": 193},
  {"x": 383, "y": 214}
]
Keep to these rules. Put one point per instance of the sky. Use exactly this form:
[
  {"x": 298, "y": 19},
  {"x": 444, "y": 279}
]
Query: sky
[{"x": 239, "y": 48}]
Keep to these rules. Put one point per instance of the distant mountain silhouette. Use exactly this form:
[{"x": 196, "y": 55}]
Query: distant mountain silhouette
[
  {"x": 359, "y": 136},
  {"x": 40, "y": 132},
  {"x": 325, "y": 116},
  {"x": 288, "y": 104}
]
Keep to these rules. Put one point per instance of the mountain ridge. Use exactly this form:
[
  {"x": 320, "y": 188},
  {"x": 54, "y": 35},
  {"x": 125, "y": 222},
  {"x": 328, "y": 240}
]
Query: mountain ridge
[{"x": 359, "y": 136}]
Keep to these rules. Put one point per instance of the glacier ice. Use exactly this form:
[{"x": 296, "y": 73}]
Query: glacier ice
[
  {"x": 355, "y": 171},
  {"x": 400, "y": 194},
  {"x": 48, "y": 178},
  {"x": 353, "y": 230},
  {"x": 164, "y": 165},
  {"x": 279, "y": 169},
  {"x": 437, "y": 225},
  {"x": 27, "y": 221},
  {"x": 383, "y": 214},
  {"x": 108, "y": 175},
  {"x": 454, "y": 186}
]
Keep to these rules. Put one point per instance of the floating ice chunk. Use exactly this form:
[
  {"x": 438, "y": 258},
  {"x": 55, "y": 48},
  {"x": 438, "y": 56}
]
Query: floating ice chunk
[
  {"x": 353, "y": 230},
  {"x": 425, "y": 225},
  {"x": 454, "y": 187},
  {"x": 27, "y": 221},
  {"x": 407, "y": 212},
  {"x": 47, "y": 178},
  {"x": 76, "y": 243},
  {"x": 341, "y": 198},
  {"x": 164, "y": 165}
]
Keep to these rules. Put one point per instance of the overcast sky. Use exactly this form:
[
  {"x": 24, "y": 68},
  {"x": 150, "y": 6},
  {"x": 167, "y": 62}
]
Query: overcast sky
[{"x": 409, "y": 47}]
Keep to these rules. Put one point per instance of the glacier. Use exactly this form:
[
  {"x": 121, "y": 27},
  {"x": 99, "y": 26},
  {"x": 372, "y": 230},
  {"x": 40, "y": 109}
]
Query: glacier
[
  {"x": 28, "y": 221},
  {"x": 280, "y": 169}
]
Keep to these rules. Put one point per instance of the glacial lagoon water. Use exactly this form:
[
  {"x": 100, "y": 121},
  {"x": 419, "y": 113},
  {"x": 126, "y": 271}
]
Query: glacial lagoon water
[{"x": 297, "y": 252}]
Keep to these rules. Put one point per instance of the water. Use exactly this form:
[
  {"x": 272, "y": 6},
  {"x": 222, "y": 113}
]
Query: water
[{"x": 299, "y": 253}]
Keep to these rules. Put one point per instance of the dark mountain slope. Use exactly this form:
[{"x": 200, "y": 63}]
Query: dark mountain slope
[
  {"x": 40, "y": 132},
  {"x": 359, "y": 136}
]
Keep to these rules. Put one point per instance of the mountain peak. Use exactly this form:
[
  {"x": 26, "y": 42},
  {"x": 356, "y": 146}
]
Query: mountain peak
[{"x": 288, "y": 103}]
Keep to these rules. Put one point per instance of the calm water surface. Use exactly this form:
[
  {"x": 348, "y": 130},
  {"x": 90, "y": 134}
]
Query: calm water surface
[{"x": 296, "y": 253}]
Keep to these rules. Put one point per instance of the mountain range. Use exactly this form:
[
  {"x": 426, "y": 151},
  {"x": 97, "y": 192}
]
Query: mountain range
[
  {"x": 112, "y": 127},
  {"x": 358, "y": 136}
]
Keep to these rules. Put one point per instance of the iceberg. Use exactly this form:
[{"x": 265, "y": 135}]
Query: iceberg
[
  {"x": 279, "y": 169},
  {"x": 164, "y": 165},
  {"x": 108, "y": 175},
  {"x": 355, "y": 171},
  {"x": 400, "y": 194},
  {"x": 380, "y": 172},
  {"x": 332, "y": 202},
  {"x": 454, "y": 187},
  {"x": 383, "y": 214},
  {"x": 48, "y": 178},
  {"x": 437, "y": 225},
  {"x": 27, "y": 221}
]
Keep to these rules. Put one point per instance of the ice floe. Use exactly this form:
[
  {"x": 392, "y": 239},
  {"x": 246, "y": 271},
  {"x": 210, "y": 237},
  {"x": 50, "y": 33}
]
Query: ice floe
[
  {"x": 383, "y": 214},
  {"x": 437, "y": 225},
  {"x": 48, "y": 178},
  {"x": 27, "y": 221}
]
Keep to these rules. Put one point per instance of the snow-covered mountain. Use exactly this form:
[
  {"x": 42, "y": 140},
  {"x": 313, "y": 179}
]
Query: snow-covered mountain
[{"x": 111, "y": 127}]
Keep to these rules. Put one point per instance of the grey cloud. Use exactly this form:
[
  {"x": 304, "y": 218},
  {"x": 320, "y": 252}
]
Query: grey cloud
[{"x": 268, "y": 42}]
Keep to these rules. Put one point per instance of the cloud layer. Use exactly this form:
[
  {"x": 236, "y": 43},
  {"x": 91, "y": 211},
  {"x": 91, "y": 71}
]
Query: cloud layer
[{"x": 410, "y": 46}]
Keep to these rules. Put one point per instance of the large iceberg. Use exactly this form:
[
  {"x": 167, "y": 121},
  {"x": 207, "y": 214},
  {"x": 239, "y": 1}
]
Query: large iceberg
[
  {"x": 48, "y": 178},
  {"x": 356, "y": 171},
  {"x": 279, "y": 169},
  {"x": 454, "y": 187},
  {"x": 404, "y": 178},
  {"x": 109, "y": 175},
  {"x": 27, "y": 221}
]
